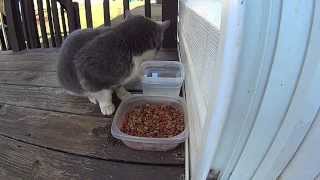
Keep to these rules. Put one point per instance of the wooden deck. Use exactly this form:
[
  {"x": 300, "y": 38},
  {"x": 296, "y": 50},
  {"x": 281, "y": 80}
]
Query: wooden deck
[{"x": 47, "y": 134}]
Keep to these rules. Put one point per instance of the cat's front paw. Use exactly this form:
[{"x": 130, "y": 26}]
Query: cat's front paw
[
  {"x": 92, "y": 99},
  {"x": 107, "y": 109}
]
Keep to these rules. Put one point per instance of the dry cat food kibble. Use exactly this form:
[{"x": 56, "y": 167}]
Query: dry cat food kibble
[{"x": 153, "y": 120}]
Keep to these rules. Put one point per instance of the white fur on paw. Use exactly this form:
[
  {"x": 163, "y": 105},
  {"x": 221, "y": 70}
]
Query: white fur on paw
[
  {"x": 107, "y": 109},
  {"x": 92, "y": 100}
]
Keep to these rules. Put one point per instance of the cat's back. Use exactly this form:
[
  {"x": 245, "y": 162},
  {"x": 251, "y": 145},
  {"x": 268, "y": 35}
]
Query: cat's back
[
  {"x": 75, "y": 41},
  {"x": 65, "y": 67},
  {"x": 103, "y": 62}
]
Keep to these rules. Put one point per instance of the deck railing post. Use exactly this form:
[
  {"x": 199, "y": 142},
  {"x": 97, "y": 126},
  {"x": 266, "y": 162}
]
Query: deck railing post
[
  {"x": 88, "y": 13},
  {"x": 72, "y": 15},
  {"x": 24, "y": 24},
  {"x": 68, "y": 5},
  {"x": 147, "y": 8},
  {"x": 2, "y": 41},
  {"x": 43, "y": 28},
  {"x": 4, "y": 32},
  {"x": 63, "y": 21},
  {"x": 56, "y": 23},
  {"x": 76, "y": 15},
  {"x": 125, "y": 7},
  {"x": 15, "y": 33},
  {"x": 170, "y": 12},
  {"x": 30, "y": 23},
  {"x": 106, "y": 13},
  {"x": 53, "y": 40}
]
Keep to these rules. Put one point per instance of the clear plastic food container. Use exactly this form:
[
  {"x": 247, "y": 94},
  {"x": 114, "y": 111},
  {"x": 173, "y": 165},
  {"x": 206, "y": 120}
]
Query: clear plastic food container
[
  {"x": 163, "y": 78},
  {"x": 146, "y": 143}
]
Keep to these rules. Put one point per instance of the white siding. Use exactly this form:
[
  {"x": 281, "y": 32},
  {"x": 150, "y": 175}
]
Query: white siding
[
  {"x": 268, "y": 129},
  {"x": 306, "y": 162},
  {"x": 281, "y": 116},
  {"x": 302, "y": 110},
  {"x": 281, "y": 85},
  {"x": 259, "y": 40}
]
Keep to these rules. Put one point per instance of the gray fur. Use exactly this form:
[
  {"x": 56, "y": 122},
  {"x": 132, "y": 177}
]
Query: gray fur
[
  {"x": 66, "y": 70},
  {"x": 95, "y": 59}
]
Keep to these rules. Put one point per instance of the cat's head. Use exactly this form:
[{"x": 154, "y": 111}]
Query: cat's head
[{"x": 144, "y": 26}]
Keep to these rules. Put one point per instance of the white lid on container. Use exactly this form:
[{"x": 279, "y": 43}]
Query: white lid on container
[{"x": 163, "y": 72}]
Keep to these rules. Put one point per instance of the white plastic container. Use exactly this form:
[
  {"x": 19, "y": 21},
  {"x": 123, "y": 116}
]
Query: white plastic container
[
  {"x": 162, "y": 78},
  {"x": 146, "y": 143}
]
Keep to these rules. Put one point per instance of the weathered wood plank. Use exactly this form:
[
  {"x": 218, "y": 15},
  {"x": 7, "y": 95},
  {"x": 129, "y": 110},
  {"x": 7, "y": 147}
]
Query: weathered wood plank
[
  {"x": 35, "y": 65},
  {"x": 87, "y": 4},
  {"x": 63, "y": 22},
  {"x": 53, "y": 41},
  {"x": 42, "y": 60},
  {"x": 33, "y": 78},
  {"x": 147, "y": 8},
  {"x": 170, "y": 12},
  {"x": 106, "y": 13},
  {"x": 43, "y": 54},
  {"x": 45, "y": 79},
  {"x": 43, "y": 28},
  {"x": 48, "y": 98},
  {"x": 24, "y": 161},
  {"x": 77, "y": 134},
  {"x": 56, "y": 23},
  {"x": 15, "y": 33}
]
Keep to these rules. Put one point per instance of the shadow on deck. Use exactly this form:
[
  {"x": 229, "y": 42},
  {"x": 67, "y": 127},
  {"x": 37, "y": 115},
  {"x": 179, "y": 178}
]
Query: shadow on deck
[{"x": 48, "y": 134}]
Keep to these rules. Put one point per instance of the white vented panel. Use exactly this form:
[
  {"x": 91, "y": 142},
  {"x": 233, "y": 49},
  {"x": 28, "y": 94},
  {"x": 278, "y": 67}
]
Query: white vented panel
[{"x": 199, "y": 40}]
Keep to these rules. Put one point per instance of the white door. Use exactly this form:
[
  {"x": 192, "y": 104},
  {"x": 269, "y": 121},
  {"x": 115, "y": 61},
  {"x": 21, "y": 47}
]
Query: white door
[
  {"x": 305, "y": 163},
  {"x": 254, "y": 105},
  {"x": 209, "y": 48},
  {"x": 291, "y": 99}
]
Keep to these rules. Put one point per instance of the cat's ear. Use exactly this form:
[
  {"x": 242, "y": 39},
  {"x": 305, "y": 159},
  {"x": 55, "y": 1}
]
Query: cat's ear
[
  {"x": 128, "y": 14},
  {"x": 164, "y": 25}
]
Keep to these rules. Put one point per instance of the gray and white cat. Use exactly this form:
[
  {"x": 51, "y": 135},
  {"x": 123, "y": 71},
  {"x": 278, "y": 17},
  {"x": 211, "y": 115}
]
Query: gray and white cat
[{"x": 96, "y": 62}]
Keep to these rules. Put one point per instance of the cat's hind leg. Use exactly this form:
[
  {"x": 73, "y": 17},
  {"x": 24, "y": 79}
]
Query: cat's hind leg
[{"x": 104, "y": 98}]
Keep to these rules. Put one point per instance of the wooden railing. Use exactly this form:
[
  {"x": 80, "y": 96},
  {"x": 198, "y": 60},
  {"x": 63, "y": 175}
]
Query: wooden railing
[{"x": 21, "y": 26}]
